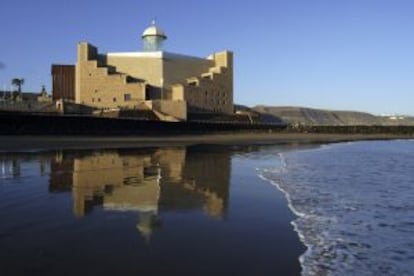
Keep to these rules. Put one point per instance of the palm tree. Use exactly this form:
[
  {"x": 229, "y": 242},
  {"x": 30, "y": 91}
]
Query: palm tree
[{"x": 18, "y": 83}]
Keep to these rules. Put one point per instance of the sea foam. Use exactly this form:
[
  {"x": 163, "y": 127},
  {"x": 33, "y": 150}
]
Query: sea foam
[{"x": 354, "y": 204}]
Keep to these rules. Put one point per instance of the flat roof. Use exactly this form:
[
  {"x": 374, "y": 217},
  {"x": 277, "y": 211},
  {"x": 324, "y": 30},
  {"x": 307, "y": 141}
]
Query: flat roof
[{"x": 157, "y": 54}]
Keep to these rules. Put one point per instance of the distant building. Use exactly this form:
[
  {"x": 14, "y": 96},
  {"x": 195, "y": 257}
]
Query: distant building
[
  {"x": 171, "y": 85},
  {"x": 27, "y": 97},
  {"x": 26, "y": 101}
]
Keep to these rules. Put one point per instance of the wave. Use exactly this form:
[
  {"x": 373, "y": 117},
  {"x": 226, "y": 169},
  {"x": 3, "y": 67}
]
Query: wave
[{"x": 351, "y": 201}]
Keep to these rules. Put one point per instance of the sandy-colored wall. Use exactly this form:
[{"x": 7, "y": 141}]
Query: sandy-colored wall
[
  {"x": 145, "y": 68},
  {"x": 170, "y": 110},
  {"x": 103, "y": 80},
  {"x": 159, "y": 68},
  {"x": 212, "y": 92},
  {"x": 97, "y": 86},
  {"x": 177, "y": 68}
]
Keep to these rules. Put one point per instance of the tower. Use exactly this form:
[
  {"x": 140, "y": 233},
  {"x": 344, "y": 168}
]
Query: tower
[{"x": 153, "y": 38}]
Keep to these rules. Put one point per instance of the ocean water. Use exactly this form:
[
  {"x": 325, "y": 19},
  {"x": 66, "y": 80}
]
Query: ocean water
[{"x": 354, "y": 205}]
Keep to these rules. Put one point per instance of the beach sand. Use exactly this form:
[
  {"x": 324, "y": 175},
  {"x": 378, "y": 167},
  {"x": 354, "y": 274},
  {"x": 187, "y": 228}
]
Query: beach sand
[
  {"x": 23, "y": 143},
  {"x": 258, "y": 215},
  {"x": 227, "y": 220}
]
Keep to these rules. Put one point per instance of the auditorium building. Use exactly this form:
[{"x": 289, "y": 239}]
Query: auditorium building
[{"x": 170, "y": 85}]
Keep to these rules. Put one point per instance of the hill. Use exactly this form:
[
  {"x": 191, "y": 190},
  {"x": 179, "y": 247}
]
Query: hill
[{"x": 311, "y": 116}]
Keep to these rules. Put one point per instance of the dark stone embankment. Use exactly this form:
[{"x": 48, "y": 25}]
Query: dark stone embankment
[
  {"x": 71, "y": 125},
  {"x": 47, "y": 124}
]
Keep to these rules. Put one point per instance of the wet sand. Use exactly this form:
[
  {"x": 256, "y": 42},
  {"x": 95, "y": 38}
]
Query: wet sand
[
  {"x": 214, "y": 215},
  {"x": 252, "y": 202},
  {"x": 23, "y": 143}
]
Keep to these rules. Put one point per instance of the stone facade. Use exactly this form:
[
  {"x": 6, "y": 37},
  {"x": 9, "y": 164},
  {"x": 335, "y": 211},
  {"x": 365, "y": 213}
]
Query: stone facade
[
  {"x": 211, "y": 91},
  {"x": 99, "y": 85},
  {"x": 171, "y": 85},
  {"x": 135, "y": 80}
]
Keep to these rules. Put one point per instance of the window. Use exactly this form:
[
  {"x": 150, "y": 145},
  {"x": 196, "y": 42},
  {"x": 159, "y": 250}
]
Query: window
[
  {"x": 99, "y": 99},
  {"x": 114, "y": 100},
  {"x": 127, "y": 97}
]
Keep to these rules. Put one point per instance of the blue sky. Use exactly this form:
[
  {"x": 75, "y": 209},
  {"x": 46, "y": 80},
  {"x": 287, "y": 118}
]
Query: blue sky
[{"x": 332, "y": 54}]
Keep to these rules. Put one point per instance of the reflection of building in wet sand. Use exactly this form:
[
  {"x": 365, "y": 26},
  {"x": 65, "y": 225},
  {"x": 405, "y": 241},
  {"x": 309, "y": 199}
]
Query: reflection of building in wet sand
[
  {"x": 9, "y": 168},
  {"x": 11, "y": 164},
  {"x": 117, "y": 182},
  {"x": 146, "y": 181},
  {"x": 203, "y": 183}
]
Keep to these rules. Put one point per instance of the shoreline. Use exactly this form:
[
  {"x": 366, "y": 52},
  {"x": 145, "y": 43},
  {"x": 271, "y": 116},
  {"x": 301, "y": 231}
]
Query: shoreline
[{"x": 10, "y": 143}]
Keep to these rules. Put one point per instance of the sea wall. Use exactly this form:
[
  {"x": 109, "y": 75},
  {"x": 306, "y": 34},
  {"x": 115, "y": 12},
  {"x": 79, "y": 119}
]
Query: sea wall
[{"x": 45, "y": 124}]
